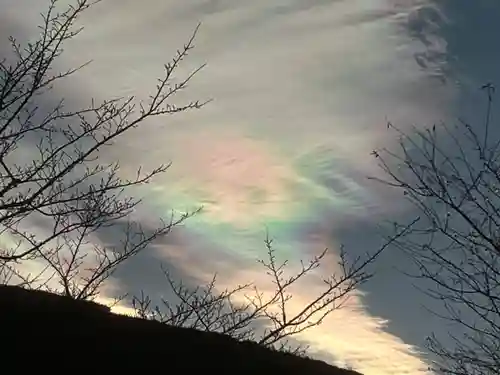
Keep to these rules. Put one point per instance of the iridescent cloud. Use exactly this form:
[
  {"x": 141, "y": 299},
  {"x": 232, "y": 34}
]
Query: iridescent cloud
[{"x": 302, "y": 91}]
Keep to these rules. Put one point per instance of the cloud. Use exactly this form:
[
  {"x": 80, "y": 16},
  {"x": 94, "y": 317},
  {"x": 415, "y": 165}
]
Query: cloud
[{"x": 302, "y": 92}]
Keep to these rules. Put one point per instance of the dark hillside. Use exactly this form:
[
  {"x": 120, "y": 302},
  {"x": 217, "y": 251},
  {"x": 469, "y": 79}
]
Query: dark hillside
[{"x": 50, "y": 322}]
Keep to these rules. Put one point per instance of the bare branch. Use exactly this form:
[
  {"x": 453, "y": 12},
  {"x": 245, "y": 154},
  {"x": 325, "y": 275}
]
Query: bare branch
[
  {"x": 50, "y": 171},
  {"x": 452, "y": 176},
  {"x": 242, "y": 312}
]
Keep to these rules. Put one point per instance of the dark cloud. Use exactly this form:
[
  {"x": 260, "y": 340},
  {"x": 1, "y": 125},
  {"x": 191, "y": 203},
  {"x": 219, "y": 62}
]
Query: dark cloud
[{"x": 143, "y": 272}]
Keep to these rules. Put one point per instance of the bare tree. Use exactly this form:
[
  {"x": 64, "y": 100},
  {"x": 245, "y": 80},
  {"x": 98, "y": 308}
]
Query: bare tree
[
  {"x": 50, "y": 172},
  {"x": 209, "y": 309},
  {"x": 451, "y": 174},
  {"x": 63, "y": 187}
]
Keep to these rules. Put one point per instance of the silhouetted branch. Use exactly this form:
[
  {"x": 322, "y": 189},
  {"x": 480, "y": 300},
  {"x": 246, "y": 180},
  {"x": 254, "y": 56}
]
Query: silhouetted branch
[
  {"x": 50, "y": 170},
  {"x": 242, "y": 311},
  {"x": 452, "y": 176}
]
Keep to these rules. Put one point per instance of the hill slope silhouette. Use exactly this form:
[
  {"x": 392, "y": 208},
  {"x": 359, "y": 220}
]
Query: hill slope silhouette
[{"x": 44, "y": 321}]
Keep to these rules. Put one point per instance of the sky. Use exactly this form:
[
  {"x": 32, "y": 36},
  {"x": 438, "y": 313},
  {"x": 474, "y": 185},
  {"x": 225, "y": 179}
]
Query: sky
[{"x": 302, "y": 91}]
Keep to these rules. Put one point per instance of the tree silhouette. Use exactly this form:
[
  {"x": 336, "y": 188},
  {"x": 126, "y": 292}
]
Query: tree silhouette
[
  {"x": 209, "y": 309},
  {"x": 451, "y": 175},
  {"x": 62, "y": 183}
]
